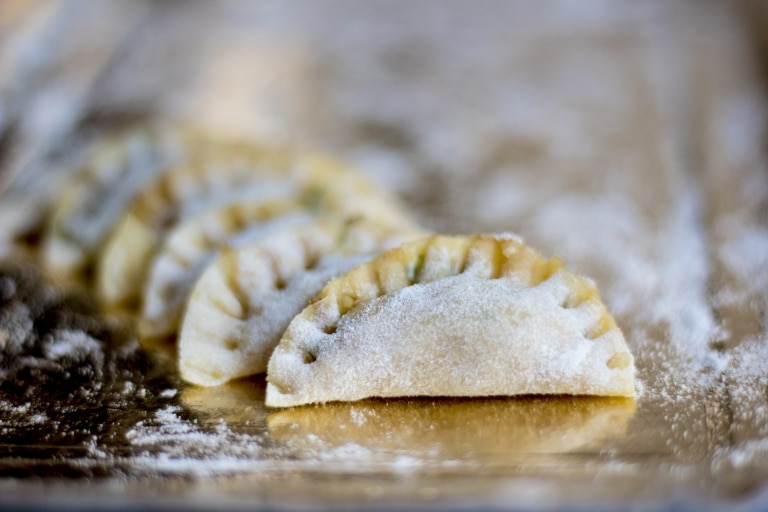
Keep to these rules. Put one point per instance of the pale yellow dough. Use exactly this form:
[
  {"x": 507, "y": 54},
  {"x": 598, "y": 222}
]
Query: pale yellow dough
[
  {"x": 102, "y": 189},
  {"x": 181, "y": 192},
  {"x": 452, "y": 316},
  {"x": 191, "y": 245},
  {"x": 242, "y": 174},
  {"x": 243, "y": 301}
]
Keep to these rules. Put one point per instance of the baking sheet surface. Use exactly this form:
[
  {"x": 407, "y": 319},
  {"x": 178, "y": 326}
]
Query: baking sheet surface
[{"x": 627, "y": 139}]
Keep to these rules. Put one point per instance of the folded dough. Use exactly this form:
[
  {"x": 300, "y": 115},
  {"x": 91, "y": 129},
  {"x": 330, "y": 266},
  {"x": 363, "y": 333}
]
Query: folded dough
[
  {"x": 452, "y": 316},
  {"x": 192, "y": 245},
  {"x": 243, "y": 301},
  {"x": 219, "y": 179},
  {"x": 102, "y": 189}
]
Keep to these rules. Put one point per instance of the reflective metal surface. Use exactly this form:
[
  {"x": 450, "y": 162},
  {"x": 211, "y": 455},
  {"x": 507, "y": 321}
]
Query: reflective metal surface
[{"x": 629, "y": 140}]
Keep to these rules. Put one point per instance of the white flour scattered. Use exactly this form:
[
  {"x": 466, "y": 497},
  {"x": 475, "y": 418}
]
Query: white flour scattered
[
  {"x": 585, "y": 129},
  {"x": 169, "y": 443}
]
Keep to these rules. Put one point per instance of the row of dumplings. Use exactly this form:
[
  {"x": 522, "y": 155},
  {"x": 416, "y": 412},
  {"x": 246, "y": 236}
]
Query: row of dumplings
[
  {"x": 155, "y": 213},
  {"x": 227, "y": 248}
]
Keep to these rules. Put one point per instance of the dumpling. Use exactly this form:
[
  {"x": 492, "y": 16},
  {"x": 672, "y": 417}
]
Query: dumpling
[
  {"x": 258, "y": 176},
  {"x": 191, "y": 245},
  {"x": 452, "y": 316},
  {"x": 181, "y": 192},
  {"x": 101, "y": 191},
  {"x": 188, "y": 246},
  {"x": 244, "y": 300}
]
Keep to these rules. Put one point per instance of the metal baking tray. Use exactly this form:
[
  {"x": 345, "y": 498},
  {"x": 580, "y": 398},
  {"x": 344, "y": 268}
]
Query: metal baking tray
[{"x": 627, "y": 139}]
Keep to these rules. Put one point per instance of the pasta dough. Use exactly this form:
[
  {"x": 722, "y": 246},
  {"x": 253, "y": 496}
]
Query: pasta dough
[
  {"x": 191, "y": 243},
  {"x": 181, "y": 192},
  {"x": 96, "y": 197},
  {"x": 244, "y": 300},
  {"x": 452, "y": 316},
  {"x": 250, "y": 175}
]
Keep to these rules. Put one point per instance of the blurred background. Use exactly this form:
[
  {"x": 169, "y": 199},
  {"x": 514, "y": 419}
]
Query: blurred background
[{"x": 434, "y": 98}]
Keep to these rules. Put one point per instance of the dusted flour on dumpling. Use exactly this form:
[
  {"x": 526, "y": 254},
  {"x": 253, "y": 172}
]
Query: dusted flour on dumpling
[
  {"x": 192, "y": 188},
  {"x": 252, "y": 175},
  {"x": 193, "y": 244},
  {"x": 452, "y": 316},
  {"x": 102, "y": 190},
  {"x": 246, "y": 297}
]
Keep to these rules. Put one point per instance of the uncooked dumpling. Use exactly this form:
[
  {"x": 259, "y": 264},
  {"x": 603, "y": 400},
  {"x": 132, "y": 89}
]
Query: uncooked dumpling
[
  {"x": 181, "y": 192},
  {"x": 189, "y": 245},
  {"x": 452, "y": 316},
  {"x": 251, "y": 175},
  {"x": 102, "y": 190},
  {"x": 244, "y": 300}
]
